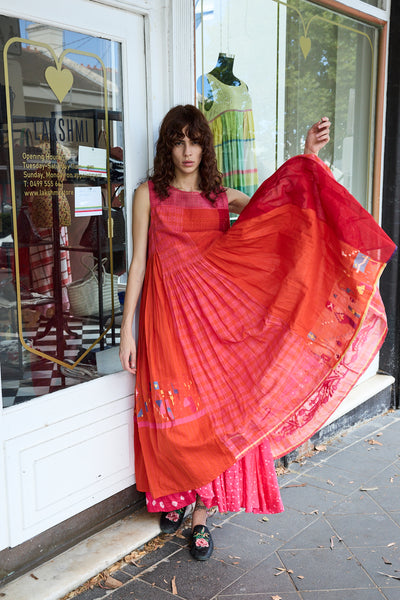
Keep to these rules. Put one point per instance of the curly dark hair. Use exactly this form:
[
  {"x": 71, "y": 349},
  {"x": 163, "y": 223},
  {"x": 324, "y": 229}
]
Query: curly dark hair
[{"x": 198, "y": 130}]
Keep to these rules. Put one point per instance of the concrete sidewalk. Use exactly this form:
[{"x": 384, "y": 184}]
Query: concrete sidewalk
[{"x": 338, "y": 539}]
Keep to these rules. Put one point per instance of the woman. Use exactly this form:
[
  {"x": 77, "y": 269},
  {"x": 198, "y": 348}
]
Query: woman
[{"x": 226, "y": 314}]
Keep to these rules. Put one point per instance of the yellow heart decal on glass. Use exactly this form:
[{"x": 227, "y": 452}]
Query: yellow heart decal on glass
[
  {"x": 60, "y": 81},
  {"x": 305, "y": 45}
]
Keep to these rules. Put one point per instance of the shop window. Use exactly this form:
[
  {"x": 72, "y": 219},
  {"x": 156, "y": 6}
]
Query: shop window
[
  {"x": 377, "y": 3},
  {"x": 268, "y": 69},
  {"x": 62, "y": 223}
]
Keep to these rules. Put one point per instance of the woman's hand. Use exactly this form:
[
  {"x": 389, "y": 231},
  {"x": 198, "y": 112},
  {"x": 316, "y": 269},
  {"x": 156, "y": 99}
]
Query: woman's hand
[
  {"x": 317, "y": 136},
  {"x": 127, "y": 352}
]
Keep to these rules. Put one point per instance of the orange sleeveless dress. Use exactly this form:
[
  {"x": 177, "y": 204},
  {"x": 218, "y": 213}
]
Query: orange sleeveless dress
[{"x": 251, "y": 336}]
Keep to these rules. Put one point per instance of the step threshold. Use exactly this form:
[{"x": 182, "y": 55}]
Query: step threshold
[{"x": 67, "y": 571}]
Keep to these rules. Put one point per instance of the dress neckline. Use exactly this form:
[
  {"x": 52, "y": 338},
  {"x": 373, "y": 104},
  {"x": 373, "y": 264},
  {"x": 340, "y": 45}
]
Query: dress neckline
[
  {"x": 226, "y": 84},
  {"x": 185, "y": 191}
]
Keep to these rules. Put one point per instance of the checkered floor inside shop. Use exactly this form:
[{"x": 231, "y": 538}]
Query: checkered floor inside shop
[{"x": 25, "y": 375}]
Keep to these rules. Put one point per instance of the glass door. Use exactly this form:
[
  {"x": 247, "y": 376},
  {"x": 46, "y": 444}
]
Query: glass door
[{"x": 62, "y": 206}]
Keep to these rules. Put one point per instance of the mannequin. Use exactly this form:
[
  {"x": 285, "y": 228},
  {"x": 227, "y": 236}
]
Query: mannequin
[{"x": 223, "y": 71}]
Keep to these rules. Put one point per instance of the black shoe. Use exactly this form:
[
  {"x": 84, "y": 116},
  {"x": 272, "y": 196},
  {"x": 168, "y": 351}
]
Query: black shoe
[
  {"x": 202, "y": 545},
  {"x": 171, "y": 521}
]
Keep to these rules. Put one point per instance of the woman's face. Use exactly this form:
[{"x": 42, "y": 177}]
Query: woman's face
[{"x": 186, "y": 155}]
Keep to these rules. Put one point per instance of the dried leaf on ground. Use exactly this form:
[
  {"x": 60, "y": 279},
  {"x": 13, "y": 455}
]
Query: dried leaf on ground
[
  {"x": 112, "y": 583},
  {"x": 367, "y": 489},
  {"x": 320, "y": 448},
  {"x": 133, "y": 556},
  {"x": 391, "y": 544},
  {"x": 300, "y": 576},
  {"x": 373, "y": 442},
  {"x": 331, "y": 542},
  {"x": 295, "y": 485},
  {"x": 387, "y": 575},
  {"x": 282, "y": 570},
  {"x": 330, "y": 482},
  {"x": 180, "y": 535},
  {"x": 34, "y": 576},
  {"x": 173, "y": 586},
  {"x": 156, "y": 543},
  {"x": 387, "y": 562},
  {"x": 276, "y": 598},
  {"x": 281, "y": 470}
]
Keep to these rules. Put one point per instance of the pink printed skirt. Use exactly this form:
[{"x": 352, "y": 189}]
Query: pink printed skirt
[{"x": 251, "y": 483}]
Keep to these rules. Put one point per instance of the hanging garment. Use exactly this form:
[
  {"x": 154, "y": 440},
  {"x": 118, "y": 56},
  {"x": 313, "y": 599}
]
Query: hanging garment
[
  {"x": 42, "y": 266},
  {"x": 231, "y": 121},
  {"x": 253, "y": 333}
]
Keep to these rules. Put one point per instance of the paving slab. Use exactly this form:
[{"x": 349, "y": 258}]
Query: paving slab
[
  {"x": 395, "y": 515},
  {"x": 330, "y": 477},
  {"x": 267, "y": 596},
  {"x": 359, "y": 462},
  {"x": 387, "y": 496},
  {"x": 325, "y": 569},
  {"x": 269, "y": 578},
  {"x": 358, "y": 530},
  {"x": 151, "y": 558},
  {"x": 392, "y": 594},
  {"x": 140, "y": 590},
  {"x": 307, "y": 498},
  {"x": 381, "y": 564},
  {"x": 390, "y": 476},
  {"x": 360, "y": 594},
  {"x": 280, "y": 527},
  {"x": 241, "y": 547},
  {"x": 358, "y": 502},
  {"x": 195, "y": 580},
  {"x": 318, "y": 535}
]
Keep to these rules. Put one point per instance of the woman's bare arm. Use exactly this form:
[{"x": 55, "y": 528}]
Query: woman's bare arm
[{"x": 140, "y": 227}]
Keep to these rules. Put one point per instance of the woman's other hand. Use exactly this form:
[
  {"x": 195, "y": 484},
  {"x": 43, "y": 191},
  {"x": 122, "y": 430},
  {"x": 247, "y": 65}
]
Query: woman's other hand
[
  {"x": 127, "y": 352},
  {"x": 317, "y": 136}
]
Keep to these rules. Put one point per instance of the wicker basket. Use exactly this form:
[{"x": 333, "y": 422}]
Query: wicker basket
[{"x": 84, "y": 294}]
